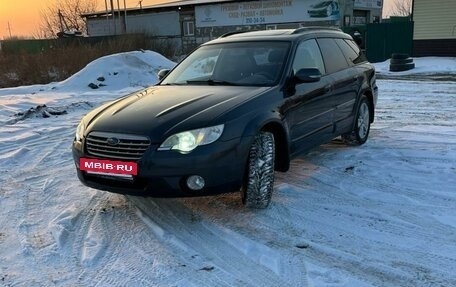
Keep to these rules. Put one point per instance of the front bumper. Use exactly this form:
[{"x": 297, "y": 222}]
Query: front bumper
[{"x": 164, "y": 173}]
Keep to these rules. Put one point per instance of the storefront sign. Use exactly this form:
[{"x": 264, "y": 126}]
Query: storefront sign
[{"x": 266, "y": 12}]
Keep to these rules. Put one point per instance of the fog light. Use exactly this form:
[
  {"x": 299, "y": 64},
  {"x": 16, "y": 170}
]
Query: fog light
[{"x": 195, "y": 182}]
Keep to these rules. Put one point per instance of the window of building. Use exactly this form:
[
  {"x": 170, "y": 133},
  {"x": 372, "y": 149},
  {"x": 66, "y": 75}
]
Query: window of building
[
  {"x": 347, "y": 20},
  {"x": 189, "y": 28},
  {"x": 360, "y": 17},
  {"x": 271, "y": 27}
]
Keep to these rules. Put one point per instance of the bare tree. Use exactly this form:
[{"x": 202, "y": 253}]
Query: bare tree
[
  {"x": 65, "y": 16},
  {"x": 401, "y": 8}
]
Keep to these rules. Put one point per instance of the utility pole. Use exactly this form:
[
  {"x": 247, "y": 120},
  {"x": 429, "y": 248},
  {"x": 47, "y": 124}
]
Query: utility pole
[
  {"x": 61, "y": 21},
  {"x": 113, "y": 17},
  {"x": 107, "y": 17},
  {"x": 9, "y": 29},
  {"x": 125, "y": 17},
  {"x": 120, "y": 18}
]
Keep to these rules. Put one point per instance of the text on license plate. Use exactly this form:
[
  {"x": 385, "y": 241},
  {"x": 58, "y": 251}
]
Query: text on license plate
[{"x": 108, "y": 166}]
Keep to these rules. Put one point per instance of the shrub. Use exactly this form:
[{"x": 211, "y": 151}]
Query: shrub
[{"x": 62, "y": 59}]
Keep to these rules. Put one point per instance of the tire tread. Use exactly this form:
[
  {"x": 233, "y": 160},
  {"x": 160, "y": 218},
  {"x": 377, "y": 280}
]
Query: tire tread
[{"x": 257, "y": 191}]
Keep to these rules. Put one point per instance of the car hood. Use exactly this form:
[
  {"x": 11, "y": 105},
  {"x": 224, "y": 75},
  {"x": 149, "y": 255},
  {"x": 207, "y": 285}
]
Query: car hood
[{"x": 160, "y": 111}]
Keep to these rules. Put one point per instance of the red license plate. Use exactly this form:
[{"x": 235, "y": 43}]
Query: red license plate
[{"x": 112, "y": 167}]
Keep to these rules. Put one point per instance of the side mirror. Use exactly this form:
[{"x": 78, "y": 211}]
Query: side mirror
[
  {"x": 162, "y": 73},
  {"x": 307, "y": 75}
]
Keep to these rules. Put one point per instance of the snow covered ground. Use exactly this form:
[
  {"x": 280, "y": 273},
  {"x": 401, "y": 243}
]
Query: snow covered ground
[
  {"x": 383, "y": 214},
  {"x": 425, "y": 67}
]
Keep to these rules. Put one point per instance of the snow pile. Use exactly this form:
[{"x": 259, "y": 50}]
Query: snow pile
[
  {"x": 423, "y": 66},
  {"x": 114, "y": 72},
  {"x": 112, "y": 76}
]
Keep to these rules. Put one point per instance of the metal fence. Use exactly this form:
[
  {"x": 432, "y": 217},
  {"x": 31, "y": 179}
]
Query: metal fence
[{"x": 384, "y": 39}]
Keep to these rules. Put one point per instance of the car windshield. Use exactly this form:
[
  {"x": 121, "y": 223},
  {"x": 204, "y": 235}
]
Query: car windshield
[{"x": 232, "y": 64}]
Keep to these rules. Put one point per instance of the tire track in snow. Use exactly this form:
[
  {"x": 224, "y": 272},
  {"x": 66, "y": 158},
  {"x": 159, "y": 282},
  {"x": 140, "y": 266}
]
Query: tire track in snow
[
  {"x": 332, "y": 233},
  {"x": 224, "y": 249},
  {"x": 77, "y": 226},
  {"x": 94, "y": 246},
  {"x": 360, "y": 191}
]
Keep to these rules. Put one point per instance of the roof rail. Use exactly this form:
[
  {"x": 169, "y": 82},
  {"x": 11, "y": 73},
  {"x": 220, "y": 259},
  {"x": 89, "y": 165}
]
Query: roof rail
[
  {"x": 312, "y": 28},
  {"x": 232, "y": 33}
]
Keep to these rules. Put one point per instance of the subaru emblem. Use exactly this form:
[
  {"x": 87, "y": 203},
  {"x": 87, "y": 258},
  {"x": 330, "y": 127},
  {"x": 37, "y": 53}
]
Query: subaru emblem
[{"x": 113, "y": 141}]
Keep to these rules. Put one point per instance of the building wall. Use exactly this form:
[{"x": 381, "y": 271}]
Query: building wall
[
  {"x": 156, "y": 24},
  {"x": 103, "y": 27},
  {"x": 362, "y": 12},
  {"x": 435, "y": 28},
  {"x": 434, "y": 19},
  {"x": 435, "y": 47},
  {"x": 212, "y": 20}
]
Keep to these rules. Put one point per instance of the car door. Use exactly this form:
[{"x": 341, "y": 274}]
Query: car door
[
  {"x": 308, "y": 108},
  {"x": 348, "y": 104},
  {"x": 345, "y": 81}
]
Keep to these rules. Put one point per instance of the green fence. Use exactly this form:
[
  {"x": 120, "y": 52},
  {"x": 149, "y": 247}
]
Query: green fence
[{"x": 383, "y": 39}]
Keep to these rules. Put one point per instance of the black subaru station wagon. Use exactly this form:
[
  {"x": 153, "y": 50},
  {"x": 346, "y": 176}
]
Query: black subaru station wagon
[{"x": 230, "y": 114}]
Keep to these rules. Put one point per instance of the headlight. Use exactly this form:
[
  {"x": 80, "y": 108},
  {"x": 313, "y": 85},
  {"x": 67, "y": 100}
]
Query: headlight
[
  {"x": 189, "y": 140},
  {"x": 80, "y": 131}
]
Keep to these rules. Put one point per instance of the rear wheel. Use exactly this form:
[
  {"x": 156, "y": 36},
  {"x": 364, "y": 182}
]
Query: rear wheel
[
  {"x": 259, "y": 182},
  {"x": 362, "y": 124}
]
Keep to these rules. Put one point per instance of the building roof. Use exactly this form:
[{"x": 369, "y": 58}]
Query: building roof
[
  {"x": 188, "y": 2},
  {"x": 150, "y": 8}
]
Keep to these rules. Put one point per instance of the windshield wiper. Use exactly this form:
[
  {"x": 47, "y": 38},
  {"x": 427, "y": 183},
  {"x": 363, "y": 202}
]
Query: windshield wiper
[{"x": 212, "y": 82}]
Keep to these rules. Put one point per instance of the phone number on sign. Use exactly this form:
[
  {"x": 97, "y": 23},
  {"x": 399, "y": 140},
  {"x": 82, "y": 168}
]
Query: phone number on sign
[{"x": 255, "y": 20}]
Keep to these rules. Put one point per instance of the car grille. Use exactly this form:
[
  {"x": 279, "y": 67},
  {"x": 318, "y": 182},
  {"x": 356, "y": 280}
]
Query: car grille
[{"x": 116, "y": 146}]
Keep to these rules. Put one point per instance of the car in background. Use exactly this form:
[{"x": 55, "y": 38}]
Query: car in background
[
  {"x": 230, "y": 114},
  {"x": 324, "y": 9}
]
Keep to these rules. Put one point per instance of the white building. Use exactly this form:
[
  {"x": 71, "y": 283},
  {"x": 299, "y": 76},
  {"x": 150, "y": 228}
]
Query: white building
[{"x": 192, "y": 22}]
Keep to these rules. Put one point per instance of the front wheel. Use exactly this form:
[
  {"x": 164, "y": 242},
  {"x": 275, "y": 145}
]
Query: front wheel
[
  {"x": 259, "y": 183},
  {"x": 362, "y": 124}
]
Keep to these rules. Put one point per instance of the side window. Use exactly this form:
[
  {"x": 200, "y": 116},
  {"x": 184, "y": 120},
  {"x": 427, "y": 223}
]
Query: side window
[
  {"x": 349, "y": 53},
  {"x": 308, "y": 56},
  {"x": 352, "y": 55},
  {"x": 361, "y": 57},
  {"x": 332, "y": 55}
]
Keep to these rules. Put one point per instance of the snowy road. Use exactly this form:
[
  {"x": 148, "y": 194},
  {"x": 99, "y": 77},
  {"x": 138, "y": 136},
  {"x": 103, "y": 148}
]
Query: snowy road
[{"x": 383, "y": 214}]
